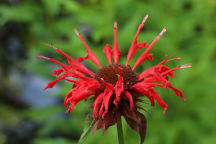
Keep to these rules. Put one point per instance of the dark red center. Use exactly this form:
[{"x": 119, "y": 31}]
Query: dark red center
[{"x": 110, "y": 74}]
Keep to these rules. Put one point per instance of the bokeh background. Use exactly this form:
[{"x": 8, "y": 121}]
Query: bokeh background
[{"x": 29, "y": 115}]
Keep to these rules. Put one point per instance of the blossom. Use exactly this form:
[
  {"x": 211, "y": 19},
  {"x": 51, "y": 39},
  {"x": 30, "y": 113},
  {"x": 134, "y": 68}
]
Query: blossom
[{"x": 115, "y": 90}]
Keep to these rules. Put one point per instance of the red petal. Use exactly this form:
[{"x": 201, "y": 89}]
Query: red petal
[
  {"x": 145, "y": 55},
  {"x": 108, "y": 52},
  {"x": 80, "y": 59},
  {"x": 177, "y": 91},
  {"x": 73, "y": 63},
  {"x": 129, "y": 96},
  {"x": 170, "y": 71},
  {"x": 134, "y": 45},
  {"x": 70, "y": 60},
  {"x": 79, "y": 67},
  {"x": 58, "y": 71},
  {"x": 151, "y": 71},
  {"x": 142, "y": 44},
  {"x": 101, "y": 110},
  {"x": 107, "y": 95},
  {"x": 119, "y": 87},
  {"x": 116, "y": 51},
  {"x": 159, "y": 99},
  {"x": 68, "y": 96},
  {"x": 145, "y": 91},
  {"x": 97, "y": 104},
  {"x": 90, "y": 54},
  {"x": 80, "y": 94},
  {"x": 52, "y": 83},
  {"x": 54, "y": 61}
]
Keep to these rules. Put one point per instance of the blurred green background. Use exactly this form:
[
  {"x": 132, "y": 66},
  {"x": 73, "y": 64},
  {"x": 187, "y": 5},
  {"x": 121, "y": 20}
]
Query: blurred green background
[{"x": 29, "y": 115}]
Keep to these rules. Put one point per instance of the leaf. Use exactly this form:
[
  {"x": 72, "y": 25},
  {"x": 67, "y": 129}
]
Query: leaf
[
  {"x": 138, "y": 123},
  {"x": 90, "y": 121}
]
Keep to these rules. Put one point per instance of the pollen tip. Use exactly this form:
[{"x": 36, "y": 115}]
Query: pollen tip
[
  {"x": 54, "y": 46},
  {"x": 174, "y": 59},
  {"x": 145, "y": 18},
  {"x": 186, "y": 66},
  {"x": 162, "y": 32},
  {"x": 75, "y": 30},
  {"x": 44, "y": 43},
  {"x": 43, "y": 57},
  {"x": 115, "y": 25},
  {"x": 164, "y": 110}
]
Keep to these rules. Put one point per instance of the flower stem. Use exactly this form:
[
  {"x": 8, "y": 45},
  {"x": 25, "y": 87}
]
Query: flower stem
[{"x": 120, "y": 132}]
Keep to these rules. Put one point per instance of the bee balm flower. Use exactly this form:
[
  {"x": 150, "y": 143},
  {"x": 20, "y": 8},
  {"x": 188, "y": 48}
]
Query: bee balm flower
[{"x": 115, "y": 89}]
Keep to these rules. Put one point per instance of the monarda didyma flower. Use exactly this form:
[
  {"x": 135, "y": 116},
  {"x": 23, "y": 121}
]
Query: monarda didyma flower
[{"x": 115, "y": 89}]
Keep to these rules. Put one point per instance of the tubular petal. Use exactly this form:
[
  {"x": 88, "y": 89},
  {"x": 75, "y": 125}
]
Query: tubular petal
[
  {"x": 116, "y": 51},
  {"x": 107, "y": 94},
  {"x": 170, "y": 71},
  {"x": 90, "y": 54},
  {"x": 68, "y": 96},
  {"x": 177, "y": 91},
  {"x": 158, "y": 99},
  {"x": 73, "y": 63},
  {"x": 119, "y": 87},
  {"x": 108, "y": 52},
  {"x": 80, "y": 94},
  {"x": 52, "y": 83},
  {"x": 80, "y": 59},
  {"x": 151, "y": 70},
  {"x": 134, "y": 45},
  {"x": 145, "y": 92},
  {"x": 130, "y": 98},
  {"x": 145, "y": 55},
  {"x": 57, "y": 72},
  {"x": 97, "y": 104},
  {"x": 101, "y": 110},
  {"x": 79, "y": 67},
  {"x": 70, "y": 60},
  {"x": 54, "y": 61}
]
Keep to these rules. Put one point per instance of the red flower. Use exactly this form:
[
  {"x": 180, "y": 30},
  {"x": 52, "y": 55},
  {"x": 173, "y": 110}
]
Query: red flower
[{"x": 115, "y": 89}]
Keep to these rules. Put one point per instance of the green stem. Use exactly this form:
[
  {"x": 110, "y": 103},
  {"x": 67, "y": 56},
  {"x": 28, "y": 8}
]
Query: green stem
[{"x": 120, "y": 132}]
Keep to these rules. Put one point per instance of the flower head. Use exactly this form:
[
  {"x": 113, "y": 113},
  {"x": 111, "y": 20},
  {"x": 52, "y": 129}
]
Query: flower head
[{"x": 115, "y": 89}]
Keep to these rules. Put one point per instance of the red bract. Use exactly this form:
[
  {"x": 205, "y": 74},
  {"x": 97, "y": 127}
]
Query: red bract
[{"x": 115, "y": 89}]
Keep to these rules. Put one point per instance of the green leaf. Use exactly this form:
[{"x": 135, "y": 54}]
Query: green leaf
[{"x": 89, "y": 123}]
